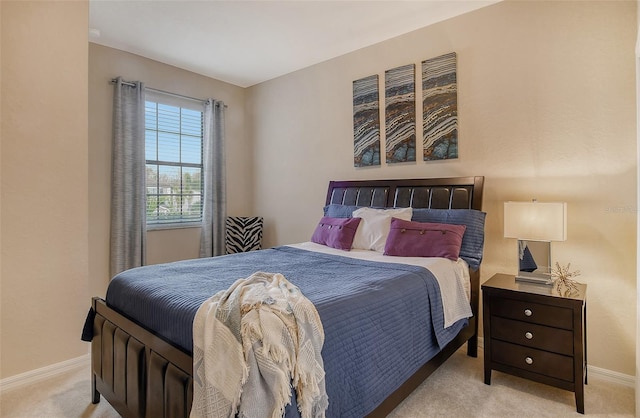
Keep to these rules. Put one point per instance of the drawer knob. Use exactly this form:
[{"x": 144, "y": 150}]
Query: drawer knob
[
  {"x": 528, "y": 335},
  {"x": 528, "y": 360},
  {"x": 527, "y": 312}
]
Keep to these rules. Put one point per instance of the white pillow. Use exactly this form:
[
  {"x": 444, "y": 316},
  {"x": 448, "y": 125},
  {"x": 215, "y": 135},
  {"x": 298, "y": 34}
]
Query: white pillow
[{"x": 374, "y": 227}]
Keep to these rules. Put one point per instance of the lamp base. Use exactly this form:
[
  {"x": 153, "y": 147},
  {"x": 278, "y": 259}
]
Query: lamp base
[{"x": 537, "y": 278}]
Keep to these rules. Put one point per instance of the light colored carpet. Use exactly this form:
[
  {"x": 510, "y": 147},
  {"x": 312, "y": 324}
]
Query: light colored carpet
[{"x": 456, "y": 389}]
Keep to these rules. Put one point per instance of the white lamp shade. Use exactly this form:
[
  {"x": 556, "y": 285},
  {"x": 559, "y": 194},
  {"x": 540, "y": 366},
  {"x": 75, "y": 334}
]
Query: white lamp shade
[{"x": 535, "y": 221}]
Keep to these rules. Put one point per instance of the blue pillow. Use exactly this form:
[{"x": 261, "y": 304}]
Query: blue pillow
[
  {"x": 339, "y": 211},
  {"x": 473, "y": 239}
]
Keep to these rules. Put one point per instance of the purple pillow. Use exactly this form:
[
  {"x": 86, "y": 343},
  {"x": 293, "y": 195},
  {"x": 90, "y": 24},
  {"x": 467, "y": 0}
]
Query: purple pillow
[
  {"x": 336, "y": 232},
  {"x": 422, "y": 239}
]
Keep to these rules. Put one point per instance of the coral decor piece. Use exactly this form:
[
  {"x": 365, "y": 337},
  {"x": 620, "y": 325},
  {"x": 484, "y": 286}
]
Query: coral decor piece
[{"x": 564, "y": 283}]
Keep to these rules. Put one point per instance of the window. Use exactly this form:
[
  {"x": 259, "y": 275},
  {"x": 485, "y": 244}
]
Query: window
[{"x": 173, "y": 153}]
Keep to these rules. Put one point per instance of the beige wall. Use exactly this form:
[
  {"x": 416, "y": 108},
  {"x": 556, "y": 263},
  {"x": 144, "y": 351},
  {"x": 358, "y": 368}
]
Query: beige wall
[
  {"x": 44, "y": 192},
  {"x": 1, "y": 195},
  {"x": 546, "y": 110},
  {"x": 637, "y": 56},
  {"x": 165, "y": 245}
]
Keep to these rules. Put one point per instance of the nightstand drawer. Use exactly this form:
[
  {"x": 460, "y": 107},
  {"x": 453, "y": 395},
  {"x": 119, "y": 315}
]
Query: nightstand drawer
[
  {"x": 533, "y": 360},
  {"x": 533, "y": 312},
  {"x": 532, "y": 335}
]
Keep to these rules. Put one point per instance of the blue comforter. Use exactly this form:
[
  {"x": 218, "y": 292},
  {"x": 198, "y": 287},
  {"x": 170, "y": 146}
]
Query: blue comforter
[{"x": 382, "y": 321}]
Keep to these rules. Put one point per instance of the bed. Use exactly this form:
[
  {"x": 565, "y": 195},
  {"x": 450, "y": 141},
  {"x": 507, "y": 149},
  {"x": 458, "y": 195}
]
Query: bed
[{"x": 145, "y": 371}]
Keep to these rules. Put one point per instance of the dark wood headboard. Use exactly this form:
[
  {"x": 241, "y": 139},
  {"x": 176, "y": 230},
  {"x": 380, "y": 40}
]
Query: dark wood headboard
[{"x": 435, "y": 193}]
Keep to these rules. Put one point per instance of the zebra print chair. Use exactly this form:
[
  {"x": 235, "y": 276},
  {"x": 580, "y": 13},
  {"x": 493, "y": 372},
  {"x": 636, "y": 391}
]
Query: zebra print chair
[{"x": 243, "y": 233}]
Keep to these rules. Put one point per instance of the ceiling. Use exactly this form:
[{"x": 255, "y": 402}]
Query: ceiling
[{"x": 248, "y": 42}]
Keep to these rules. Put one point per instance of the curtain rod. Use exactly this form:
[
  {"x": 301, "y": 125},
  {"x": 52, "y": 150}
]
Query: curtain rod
[{"x": 128, "y": 83}]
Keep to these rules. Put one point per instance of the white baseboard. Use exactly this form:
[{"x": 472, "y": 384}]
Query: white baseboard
[
  {"x": 611, "y": 376},
  {"x": 44, "y": 373},
  {"x": 596, "y": 372}
]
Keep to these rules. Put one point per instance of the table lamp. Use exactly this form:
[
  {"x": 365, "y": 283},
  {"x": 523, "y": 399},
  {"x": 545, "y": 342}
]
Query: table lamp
[{"x": 535, "y": 224}]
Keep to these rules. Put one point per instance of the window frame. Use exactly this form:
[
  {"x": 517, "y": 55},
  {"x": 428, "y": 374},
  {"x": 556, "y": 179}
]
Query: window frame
[{"x": 158, "y": 100}]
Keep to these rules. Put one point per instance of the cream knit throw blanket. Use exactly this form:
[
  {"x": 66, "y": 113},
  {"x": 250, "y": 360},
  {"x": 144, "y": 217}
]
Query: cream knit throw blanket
[{"x": 250, "y": 344}]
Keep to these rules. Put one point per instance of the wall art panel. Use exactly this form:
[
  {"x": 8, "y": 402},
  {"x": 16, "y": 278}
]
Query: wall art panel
[
  {"x": 366, "y": 122},
  {"x": 440, "y": 108},
  {"x": 400, "y": 114}
]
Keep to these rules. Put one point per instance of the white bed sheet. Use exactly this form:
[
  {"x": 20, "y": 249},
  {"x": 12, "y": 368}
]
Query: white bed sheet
[{"x": 452, "y": 276}]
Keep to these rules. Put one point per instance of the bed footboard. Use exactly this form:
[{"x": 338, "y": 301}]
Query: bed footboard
[{"x": 137, "y": 380}]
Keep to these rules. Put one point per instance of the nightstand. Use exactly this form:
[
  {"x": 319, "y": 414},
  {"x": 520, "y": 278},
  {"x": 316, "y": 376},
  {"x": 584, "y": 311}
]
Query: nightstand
[{"x": 533, "y": 332}]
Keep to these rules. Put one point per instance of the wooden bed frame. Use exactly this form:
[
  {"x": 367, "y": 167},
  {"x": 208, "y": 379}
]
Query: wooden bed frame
[{"x": 142, "y": 375}]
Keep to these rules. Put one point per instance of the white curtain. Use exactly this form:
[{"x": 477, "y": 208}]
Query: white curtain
[
  {"x": 214, "y": 209},
  {"x": 128, "y": 194}
]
